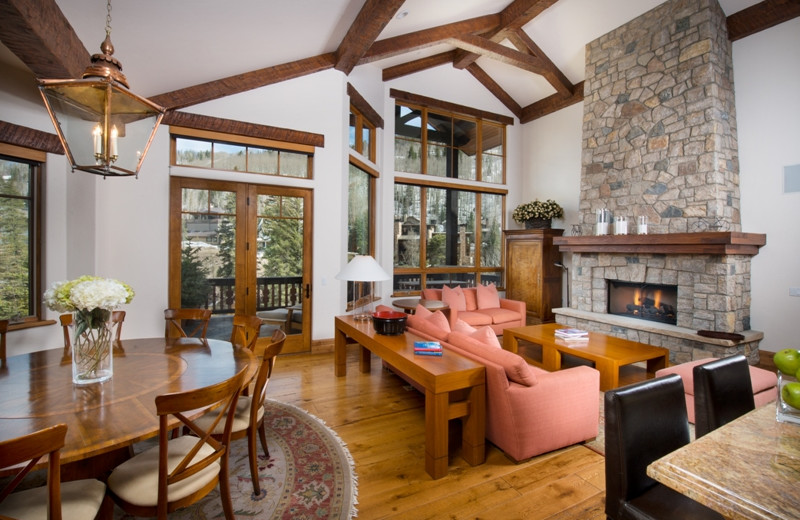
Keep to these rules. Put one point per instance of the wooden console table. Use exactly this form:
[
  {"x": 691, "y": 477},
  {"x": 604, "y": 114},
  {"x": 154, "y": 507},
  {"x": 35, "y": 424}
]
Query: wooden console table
[
  {"x": 607, "y": 352},
  {"x": 439, "y": 376}
]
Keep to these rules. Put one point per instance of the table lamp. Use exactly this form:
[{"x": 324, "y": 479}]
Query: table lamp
[{"x": 360, "y": 270}]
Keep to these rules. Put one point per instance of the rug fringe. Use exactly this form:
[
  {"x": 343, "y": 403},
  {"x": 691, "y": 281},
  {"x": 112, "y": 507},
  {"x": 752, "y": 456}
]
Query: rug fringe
[{"x": 348, "y": 455}]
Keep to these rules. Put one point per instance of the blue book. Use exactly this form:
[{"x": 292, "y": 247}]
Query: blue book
[
  {"x": 427, "y": 345},
  {"x": 428, "y": 352}
]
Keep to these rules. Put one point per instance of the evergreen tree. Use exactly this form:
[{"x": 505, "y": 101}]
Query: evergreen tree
[
  {"x": 14, "y": 246},
  {"x": 194, "y": 279}
]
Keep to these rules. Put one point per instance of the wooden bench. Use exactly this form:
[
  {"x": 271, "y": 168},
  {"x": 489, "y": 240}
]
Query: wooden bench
[{"x": 608, "y": 353}]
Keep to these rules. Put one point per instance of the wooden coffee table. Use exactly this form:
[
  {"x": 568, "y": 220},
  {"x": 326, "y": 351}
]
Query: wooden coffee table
[
  {"x": 607, "y": 352},
  {"x": 439, "y": 376}
]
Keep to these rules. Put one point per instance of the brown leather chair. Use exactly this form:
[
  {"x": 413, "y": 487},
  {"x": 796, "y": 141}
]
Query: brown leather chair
[
  {"x": 178, "y": 321},
  {"x": 643, "y": 422},
  {"x": 78, "y": 499},
  {"x": 181, "y": 470},
  {"x": 722, "y": 392},
  {"x": 245, "y": 331}
]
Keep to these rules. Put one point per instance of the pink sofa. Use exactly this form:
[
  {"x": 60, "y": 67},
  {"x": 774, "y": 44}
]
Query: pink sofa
[
  {"x": 529, "y": 411},
  {"x": 479, "y": 310}
]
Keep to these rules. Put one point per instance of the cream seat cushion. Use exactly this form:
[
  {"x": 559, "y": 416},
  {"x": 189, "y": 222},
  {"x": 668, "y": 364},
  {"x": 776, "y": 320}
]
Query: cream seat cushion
[
  {"x": 79, "y": 499},
  {"x": 136, "y": 480},
  {"x": 241, "y": 418}
]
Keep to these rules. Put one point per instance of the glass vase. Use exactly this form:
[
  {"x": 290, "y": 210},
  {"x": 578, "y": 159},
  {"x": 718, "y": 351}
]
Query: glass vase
[
  {"x": 92, "y": 342},
  {"x": 785, "y": 412}
]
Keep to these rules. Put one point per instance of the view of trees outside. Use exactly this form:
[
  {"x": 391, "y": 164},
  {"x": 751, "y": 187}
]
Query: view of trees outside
[
  {"x": 491, "y": 230},
  {"x": 407, "y": 217},
  {"x": 234, "y": 157},
  {"x": 358, "y": 205},
  {"x": 16, "y": 232},
  {"x": 450, "y": 227},
  {"x": 280, "y": 236}
]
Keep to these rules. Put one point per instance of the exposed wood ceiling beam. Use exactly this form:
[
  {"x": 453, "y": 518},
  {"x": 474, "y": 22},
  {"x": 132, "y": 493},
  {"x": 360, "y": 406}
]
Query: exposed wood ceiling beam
[
  {"x": 514, "y": 16},
  {"x": 552, "y": 74},
  {"x": 30, "y": 138},
  {"x": 231, "y": 126},
  {"x": 761, "y": 16},
  {"x": 551, "y": 104},
  {"x": 243, "y": 82},
  {"x": 404, "y": 43},
  {"x": 369, "y": 23},
  {"x": 39, "y": 34},
  {"x": 410, "y": 67},
  {"x": 363, "y": 106},
  {"x": 499, "y": 52},
  {"x": 492, "y": 86}
]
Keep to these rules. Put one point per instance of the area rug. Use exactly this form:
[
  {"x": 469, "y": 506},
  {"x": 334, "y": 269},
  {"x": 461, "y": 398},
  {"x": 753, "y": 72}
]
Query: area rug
[
  {"x": 598, "y": 444},
  {"x": 309, "y": 474}
]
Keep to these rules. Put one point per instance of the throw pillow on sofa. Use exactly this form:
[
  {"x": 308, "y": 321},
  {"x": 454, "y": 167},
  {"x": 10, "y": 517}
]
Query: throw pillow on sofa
[
  {"x": 515, "y": 367},
  {"x": 454, "y": 298},
  {"x": 435, "y": 324},
  {"x": 488, "y": 298},
  {"x": 483, "y": 334}
]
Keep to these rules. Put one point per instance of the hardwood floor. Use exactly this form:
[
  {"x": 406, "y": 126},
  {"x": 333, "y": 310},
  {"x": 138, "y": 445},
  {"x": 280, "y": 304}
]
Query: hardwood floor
[{"x": 381, "y": 419}]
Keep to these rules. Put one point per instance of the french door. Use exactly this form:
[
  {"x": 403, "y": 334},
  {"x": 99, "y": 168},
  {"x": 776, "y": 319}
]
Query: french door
[{"x": 242, "y": 248}]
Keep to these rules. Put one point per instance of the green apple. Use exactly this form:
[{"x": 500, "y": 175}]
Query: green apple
[
  {"x": 791, "y": 394},
  {"x": 787, "y": 361}
]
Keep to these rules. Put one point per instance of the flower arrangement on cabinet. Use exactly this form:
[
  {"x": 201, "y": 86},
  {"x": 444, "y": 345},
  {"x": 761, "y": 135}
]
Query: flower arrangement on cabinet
[{"x": 549, "y": 209}]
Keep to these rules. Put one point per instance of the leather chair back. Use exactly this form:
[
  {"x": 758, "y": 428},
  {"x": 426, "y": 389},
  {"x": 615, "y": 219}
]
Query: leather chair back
[
  {"x": 643, "y": 422},
  {"x": 722, "y": 392}
]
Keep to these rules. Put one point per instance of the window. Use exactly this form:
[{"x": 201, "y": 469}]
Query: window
[
  {"x": 20, "y": 180},
  {"x": 362, "y": 134},
  {"x": 446, "y": 236},
  {"x": 359, "y": 212},
  {"x": 448, "y": 145},
  {"x": 207, "y": 150}
]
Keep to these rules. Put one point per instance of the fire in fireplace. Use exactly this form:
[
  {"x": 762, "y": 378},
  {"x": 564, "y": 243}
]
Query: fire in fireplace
[{"x": 654, "y": 302}]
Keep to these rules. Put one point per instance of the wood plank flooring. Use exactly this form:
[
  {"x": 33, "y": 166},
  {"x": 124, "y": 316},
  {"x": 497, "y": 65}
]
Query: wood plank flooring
[{"x": 381, "y": 419}]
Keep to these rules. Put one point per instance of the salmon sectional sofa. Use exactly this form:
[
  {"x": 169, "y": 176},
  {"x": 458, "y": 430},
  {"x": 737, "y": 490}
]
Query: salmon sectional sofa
[{"x": 480, "y": 306}]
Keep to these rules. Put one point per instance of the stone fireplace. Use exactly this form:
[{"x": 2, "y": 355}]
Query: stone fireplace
[
  {"x": 659, "y": 141},
  {"x": 645, "y": 301}
]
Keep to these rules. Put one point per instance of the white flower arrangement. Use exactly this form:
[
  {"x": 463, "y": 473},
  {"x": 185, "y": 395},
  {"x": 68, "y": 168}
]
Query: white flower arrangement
[
  {"x": 548, "y": 209},
  {"x": 87, "y": 293}
]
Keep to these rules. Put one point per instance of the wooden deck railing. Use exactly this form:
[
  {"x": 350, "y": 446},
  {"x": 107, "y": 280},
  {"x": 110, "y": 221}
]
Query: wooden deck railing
[{"x": 271, "y": 293}]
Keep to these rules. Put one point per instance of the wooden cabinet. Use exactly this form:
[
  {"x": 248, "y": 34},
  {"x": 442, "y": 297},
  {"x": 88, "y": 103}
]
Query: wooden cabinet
[{"x": 531, "y": 274}]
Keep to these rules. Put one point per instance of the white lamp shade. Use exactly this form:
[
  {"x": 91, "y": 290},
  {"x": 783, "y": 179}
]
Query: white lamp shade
[{"x": 363, "y": 268}]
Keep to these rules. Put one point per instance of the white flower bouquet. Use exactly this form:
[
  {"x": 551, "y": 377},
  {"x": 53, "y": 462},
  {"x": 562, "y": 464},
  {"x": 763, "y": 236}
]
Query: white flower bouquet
[{"x": 91, "y": 300}]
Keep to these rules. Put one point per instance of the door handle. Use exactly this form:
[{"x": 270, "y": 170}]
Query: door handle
[{"x": 308, "y": 290}]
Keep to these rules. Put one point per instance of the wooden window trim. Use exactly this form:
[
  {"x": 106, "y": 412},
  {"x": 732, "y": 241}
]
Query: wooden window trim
[
  {"x": 183, "y": 131},
  {"x": 437, "y": 104},
  {"x": 363, "y": 106},
  {"x": 364, "y": 166},
  {"x": 433, "y": 183}
]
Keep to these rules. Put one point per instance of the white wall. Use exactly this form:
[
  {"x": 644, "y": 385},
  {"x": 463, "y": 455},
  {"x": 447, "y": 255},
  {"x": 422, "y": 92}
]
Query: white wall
[{"x": 767, "y": 78}]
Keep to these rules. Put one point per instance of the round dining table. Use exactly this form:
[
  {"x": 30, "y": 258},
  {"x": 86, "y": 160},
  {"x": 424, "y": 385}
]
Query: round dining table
[{"x": 105, "y": 419}]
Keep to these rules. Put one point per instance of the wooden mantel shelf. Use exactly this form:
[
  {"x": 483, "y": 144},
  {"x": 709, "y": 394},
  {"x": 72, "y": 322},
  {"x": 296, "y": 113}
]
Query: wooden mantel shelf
[{"x": 706, "y": 243}]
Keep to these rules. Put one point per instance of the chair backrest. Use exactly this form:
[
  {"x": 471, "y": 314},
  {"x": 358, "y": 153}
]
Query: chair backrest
[
  {"x": 220, "y": 400},
  {"x": 66, "y": 321},
  {"x": 245, "y": 331},
  {"x": 117, "y": 318},
  {"x": 722, "y": 392},
  {"x": 194, "y": 320},
  {"x": 643, "y": 422},
  {"x": 29, "y": 449},
  {"x": 3, "y": 331},
  {"x": 265, "y": 372}
]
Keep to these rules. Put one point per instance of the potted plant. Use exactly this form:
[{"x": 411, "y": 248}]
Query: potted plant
[{"x": 537, "y": 214}]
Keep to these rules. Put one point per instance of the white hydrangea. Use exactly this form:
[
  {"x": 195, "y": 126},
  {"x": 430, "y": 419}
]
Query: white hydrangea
[{"x": 99, "y": 294}]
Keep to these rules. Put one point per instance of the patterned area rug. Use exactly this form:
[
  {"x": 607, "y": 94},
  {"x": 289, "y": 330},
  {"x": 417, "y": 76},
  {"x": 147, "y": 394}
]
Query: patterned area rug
[
  {"x": 599, "y": 442},
  {"x": 310, "y": 473}
]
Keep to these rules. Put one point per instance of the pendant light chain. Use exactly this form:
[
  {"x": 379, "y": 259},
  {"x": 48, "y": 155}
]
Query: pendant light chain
[{"x": 108, "y": 18}]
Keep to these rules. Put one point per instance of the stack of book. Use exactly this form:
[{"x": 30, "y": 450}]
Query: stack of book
[
  {"x": 427, "y": 348},
  {"x": 572, "y": 334}
]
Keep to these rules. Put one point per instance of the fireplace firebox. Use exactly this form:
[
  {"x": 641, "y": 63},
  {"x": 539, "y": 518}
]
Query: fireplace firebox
[{"x": 653, "y": 302}]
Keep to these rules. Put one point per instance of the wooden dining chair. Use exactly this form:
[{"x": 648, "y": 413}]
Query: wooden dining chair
[
  {"x": 79, "y": 499},
  {"x": 245, "y": 331},
  {"x": 181, "y": 470},
  {"x": 249, "y": 415},
  {"x": 3, "y": 332},
  {"x": 186, "y": 323},
  {"x": 117, "y": 318}
]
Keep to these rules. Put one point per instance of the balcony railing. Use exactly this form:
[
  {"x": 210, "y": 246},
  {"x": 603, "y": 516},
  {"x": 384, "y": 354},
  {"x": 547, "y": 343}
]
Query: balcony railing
[{"x": 272, "y": 292}]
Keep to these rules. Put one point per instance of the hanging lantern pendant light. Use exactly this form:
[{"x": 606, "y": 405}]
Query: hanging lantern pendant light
[{"x": 105, "y": 128}]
